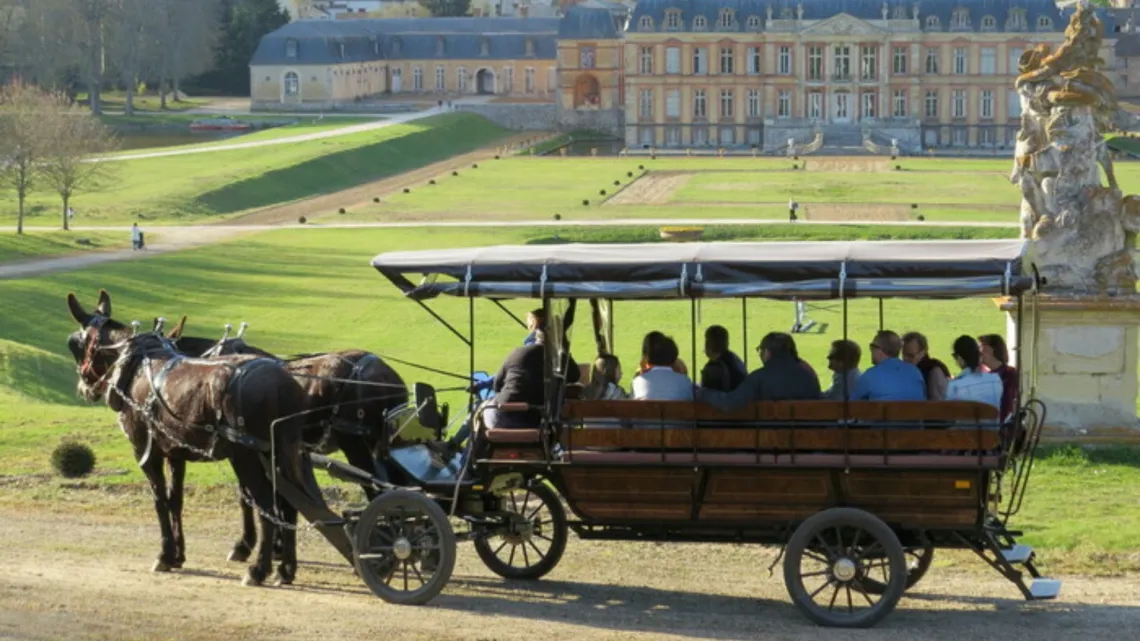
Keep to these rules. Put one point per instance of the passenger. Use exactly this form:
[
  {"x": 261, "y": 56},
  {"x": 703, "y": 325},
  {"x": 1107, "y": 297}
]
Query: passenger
[
  {"x": 974, "y": 383},
  {"x": 725, "y": 370},
  {"x": 937, "y": 376},
  {"x": 661, "y": 382},
  {"x": 781, "y": 378},
  {"x": 995, "y": 358},
  {"x": 843, "y": 361},
  {"x": 535, "y": 320},
  {"x": 605, "y": 379},
  {"x": 889, "y": 379},
  {"x": 521, "y": 379},
  {"x": 646, "y": 345},
  {"x": 804, "y": 364}
]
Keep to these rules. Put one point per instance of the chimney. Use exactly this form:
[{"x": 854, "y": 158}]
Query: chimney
[{"x": 524, "y": 10}]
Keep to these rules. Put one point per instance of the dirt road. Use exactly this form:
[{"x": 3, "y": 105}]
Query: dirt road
[{"x": 85, "y": 577}]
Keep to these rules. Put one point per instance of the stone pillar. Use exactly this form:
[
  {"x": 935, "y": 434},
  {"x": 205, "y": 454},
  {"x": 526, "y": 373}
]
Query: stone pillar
[{"x": 1086, "y": 362}]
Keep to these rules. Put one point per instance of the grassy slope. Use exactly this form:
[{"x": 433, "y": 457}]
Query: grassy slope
[
  {"x": 299, "y": 127},
  {"x": 40, "y": 244},
  {"x": 313, "y": 290},
  {"x": 181, "y": 189}
]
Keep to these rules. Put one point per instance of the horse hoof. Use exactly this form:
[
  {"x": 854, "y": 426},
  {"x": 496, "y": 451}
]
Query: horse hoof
[
  {"x": 161, "y": 566},
  {"x": 285, "y": 575},
  {"x": 249, "y": 580},
  {"x": 238, "y": 555}
]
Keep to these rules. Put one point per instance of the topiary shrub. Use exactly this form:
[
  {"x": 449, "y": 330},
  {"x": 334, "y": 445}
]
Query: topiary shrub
[
  {"x": 601, "y": 192},
  {"x": 375, "y": 199},
  {"x": 432, "y": 181},
  {"x": 407, "y": 191},
  {"x": 641, "y": 166},
  {"x": 898, "y": 167},
  {"x": 629, "y": 174},
  {"x": 795, "y": 166},
  {"x": 475, "y": 166},
  {"x": 72, "y": 459},
  {"x": 585, "y": 202},
  {"x": 914, "y": 205},
  {"x": 455, "y": 173},
  {"x": 617, "y": 183},
  {"x": 557, "y": 216},
  {"x": 921, "y": 218},
  {"x": 302, "y": 220},
  {"x": 496, "y": 156},
  {"x": 341, "y": 211}
]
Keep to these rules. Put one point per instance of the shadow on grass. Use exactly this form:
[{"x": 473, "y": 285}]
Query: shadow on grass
[
  {"x": 774, "y": 232},
  {"x": 440, "y": 138}
]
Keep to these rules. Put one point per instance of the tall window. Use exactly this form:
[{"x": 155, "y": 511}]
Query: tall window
[
  {"x": 784, "y": 67},
  {"x": 931, "y": 110},
  {"x": 672, "y": 59},
  {"x": 815, "y": 105},
  {"x": 528, "y": 80},
  {"x": 868, "y": 62},
  {"x": 899, "y": 67},
  {"x": 646, "y": 58},
  {"x": 417, "y": 78},
  {"x": 726, "y": 104},
  {"x": 842, "y": 62},
  {"x": 461, "y": 79},
  {"x": 986, "y": 104},
  {"x": 673, "y": 103},
  {"x": 292, "y": 84},
  {"x": 960, "y": 19},
  {"x": 988, "y": 61},
  {"x": 727, "y": 18},
  {"x": 700, "y": 61},
  {"x": 1013, "y": 105},
  {"x": 960, "y": 61},
  {"x": 932, "y": 61},
  {"x": 784, "y": 104},
  {"x": 753, "y": 103},
  {"x": 987, "y": 137},
  {"x": 958, "y": 104},
  {"x": 508, "y": 79},
  {"x": 290, "y": 48},
  {"x": 867, "y": 104},
  {"x": 899, "y": 104},
  {"x": 726, "y": 60},
  {"x": 673, "y": 20},
  {"x": 754, "y": 60},
  {"x": 1014, "y": 60},
  {"x": 440, "y": 78},
  {"x": 646, "y": 104},
  {"x": 700, "y": 104},
  {"x": 815, "y": 62}
]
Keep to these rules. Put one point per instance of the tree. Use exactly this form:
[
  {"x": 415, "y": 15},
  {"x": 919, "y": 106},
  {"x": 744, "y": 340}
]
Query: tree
[
  {"x": 25, "y": 133},
  {"x": 244, "y": 22},
  {"x": 95, "y": 17},
  {"x": 69, "y": 161},
  {"x": 187, "y": 31},
  {"x": 447, "y": 8}
]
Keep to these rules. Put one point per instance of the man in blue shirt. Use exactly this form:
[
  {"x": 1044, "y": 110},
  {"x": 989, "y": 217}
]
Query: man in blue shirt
[{"x": 891, "y": 378}]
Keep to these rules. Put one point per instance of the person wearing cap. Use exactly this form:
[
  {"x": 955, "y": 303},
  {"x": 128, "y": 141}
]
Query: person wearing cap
[
  {"x": 782, "y": 378},
  {"x": 843, "y": 361}
]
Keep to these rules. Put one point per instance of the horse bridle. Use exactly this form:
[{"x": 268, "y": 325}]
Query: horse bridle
[{"x": 93, "y": 333}]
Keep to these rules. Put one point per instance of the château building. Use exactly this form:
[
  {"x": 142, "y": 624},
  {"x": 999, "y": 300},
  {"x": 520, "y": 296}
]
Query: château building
[{"x": 685, "y": 73}]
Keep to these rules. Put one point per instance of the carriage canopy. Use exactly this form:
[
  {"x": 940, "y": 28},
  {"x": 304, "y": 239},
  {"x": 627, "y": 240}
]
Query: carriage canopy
[{"x": 805, "y": 270}]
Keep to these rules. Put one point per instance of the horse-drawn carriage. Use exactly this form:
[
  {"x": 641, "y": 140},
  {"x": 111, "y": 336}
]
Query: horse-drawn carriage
[{"x": 858, "y": 494}]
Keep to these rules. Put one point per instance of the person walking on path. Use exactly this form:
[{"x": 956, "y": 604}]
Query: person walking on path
[
  {"x": 792, "y": 207},
  {"x": 136, "y": 237}
]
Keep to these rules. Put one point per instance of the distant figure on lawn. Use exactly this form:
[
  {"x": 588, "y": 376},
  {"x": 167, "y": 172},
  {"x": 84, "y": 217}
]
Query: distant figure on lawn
[{"x": 137, "y": 238}]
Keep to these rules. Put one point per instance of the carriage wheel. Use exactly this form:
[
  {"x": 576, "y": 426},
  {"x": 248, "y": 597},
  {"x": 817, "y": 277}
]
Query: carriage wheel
[
  {"x": 918, "y": 560},
  {"x": 405, "y": 548},
  {"x": 829, "y": 558},
  {"x": 533, "y": 541}
]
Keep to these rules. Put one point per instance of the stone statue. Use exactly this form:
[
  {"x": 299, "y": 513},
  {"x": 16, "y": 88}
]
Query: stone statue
[
  {"x": 1083, "y": 230},
  {"x": 769, "y": 12}
]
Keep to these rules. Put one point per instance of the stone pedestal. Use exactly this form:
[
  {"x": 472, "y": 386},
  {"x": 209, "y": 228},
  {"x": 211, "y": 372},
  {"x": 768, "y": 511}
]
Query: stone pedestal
[{"x": 1086, "y": 363}]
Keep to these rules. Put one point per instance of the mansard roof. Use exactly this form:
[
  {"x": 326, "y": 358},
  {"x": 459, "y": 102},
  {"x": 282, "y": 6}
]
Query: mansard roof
[{"x": 592, "y": 23}]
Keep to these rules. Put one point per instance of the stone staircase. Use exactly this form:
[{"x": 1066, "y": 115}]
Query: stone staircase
[{"x": 843, "y": 139}]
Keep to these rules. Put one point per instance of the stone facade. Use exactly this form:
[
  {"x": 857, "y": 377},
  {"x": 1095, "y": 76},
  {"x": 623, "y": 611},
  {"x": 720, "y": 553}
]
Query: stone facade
[{"x": 523, "y": 116}]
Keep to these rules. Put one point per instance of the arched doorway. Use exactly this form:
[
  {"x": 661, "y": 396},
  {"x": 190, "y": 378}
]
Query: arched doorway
[
  {"x": 291, "y": 87},
  {"x": 485, "y": 82},
  {"x": 587, "y": 91}
]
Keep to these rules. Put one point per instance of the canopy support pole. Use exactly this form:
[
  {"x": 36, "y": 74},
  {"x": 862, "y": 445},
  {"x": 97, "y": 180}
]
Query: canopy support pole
[
  {"x": 880, "y": 314},
  {"x": 693, "y": 339},
  {"x": 449, "y": 326},
  {"x": 744, "y": 329},
  {"x": 508, "y": 312}
]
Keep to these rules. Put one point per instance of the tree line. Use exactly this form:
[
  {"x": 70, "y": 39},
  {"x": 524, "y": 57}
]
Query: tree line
[
  {"x": 69, "y": 46},
  {"x": 48, "y": 142}
]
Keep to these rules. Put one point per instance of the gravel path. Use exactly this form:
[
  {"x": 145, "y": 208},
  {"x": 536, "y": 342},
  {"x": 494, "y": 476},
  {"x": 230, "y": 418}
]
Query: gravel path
[{"x": 85, "y": 576}]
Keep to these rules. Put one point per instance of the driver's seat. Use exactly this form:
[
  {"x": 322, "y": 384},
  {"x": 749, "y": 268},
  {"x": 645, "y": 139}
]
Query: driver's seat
[{"x": 427, "y": 409}]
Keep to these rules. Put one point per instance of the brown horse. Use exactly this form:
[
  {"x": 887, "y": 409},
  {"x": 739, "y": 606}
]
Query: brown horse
[
  {"x": 176, "y": 410},
  {"x": 348, "y": 395}
]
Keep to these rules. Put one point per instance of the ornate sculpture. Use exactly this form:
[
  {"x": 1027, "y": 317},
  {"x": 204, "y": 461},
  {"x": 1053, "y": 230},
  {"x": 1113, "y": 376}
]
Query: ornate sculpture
[{"x": 1082, "y": 229}]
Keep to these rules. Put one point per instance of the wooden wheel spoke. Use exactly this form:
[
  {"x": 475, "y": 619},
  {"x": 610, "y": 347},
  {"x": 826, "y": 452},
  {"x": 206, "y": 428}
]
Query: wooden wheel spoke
[
  {"x": 820, "y": 573},
  {"x": 500, "y": 548},
  {"x": 511, "y": 561},
  {"x": 834, "y": 595},
  {"x": 861, "y": 590},
  {"x": 820, "y": 589},
  {"x": 867, "y": 553},
  {"x": 418, "y": 575},
  {"x": 850, "y": 605},
  {"x": 526, "y": 557},
  {"x": 816, "y": 557},
  {"x": 540, "y": 553},
  {"x": 405, "y": 576}
]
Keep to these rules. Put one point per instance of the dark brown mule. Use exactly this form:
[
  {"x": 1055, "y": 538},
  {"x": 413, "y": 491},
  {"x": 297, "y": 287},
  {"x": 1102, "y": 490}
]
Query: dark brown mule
[
  {"x": 348, "y": 396},
  {"x": 175, "y": 409}
]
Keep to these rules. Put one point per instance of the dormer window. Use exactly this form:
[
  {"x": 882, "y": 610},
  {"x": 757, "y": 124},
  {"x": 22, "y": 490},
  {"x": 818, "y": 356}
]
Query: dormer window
[
  {"x": 1016, "y": 21},
  {"x": 1044, "y": 23},
  {"x": 960, "y": 19},
  {"x": 440, "y": 46},
  {"x": 700, "y": 23},
  {"x": 727, "y": 19},
  {"x": 899, "y": 13},
  {"x": 397, "y": 46},
  {"x": 375, "y": 46},
  {"x": 989, "y": 23},
  {"x": 933, "y": 23},
  {"x": 530, "y": 46},
  {"x": 673, "y": 19},
  {"x": 342, "y": 51},
  {"x": 290, "y": 48},
  {"x": 753, "y": 23},
  {"x": 485, "y": 46},
  {"x": 645, "y": 23}
]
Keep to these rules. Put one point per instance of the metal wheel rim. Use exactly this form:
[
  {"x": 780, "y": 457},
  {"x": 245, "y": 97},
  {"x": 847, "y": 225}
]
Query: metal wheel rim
[
  {"x": 535, "y": 545},
  {"x": 834, "y": 567},
  {"x": 404, "y": 551}
]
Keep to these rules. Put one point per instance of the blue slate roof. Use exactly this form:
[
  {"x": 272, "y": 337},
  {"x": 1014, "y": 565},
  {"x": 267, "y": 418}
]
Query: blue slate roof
[
  {"x": 588, "y": 23},
  {"x": 362, "y": 40},
  {"x": 865, "y": 9}
]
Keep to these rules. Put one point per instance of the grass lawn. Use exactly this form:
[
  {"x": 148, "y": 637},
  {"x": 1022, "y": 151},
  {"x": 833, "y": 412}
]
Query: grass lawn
[
  {"x": 194, "y": 187},
  {"x": 39, "y": 244},
  {"x": 306, "y": 290},
  {"x": 294, "y": 127},
  {"x": 117, "y": 101}
]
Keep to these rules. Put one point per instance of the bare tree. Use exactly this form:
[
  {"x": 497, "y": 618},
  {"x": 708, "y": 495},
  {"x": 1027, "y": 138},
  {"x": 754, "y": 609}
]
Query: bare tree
[
  {"x": 186, "y": 30},
  {"x": 70, "y": 162},
  {"x": 25, "y": 132},
  {"x": 95, "y": 19}
]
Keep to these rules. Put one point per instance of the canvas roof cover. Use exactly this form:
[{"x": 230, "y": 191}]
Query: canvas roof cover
[{"x": 816, "y": 270}]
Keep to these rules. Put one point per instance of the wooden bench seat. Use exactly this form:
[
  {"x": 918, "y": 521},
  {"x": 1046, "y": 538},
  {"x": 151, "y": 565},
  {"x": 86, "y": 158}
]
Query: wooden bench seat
[
  {"x": 791, "y": 411},
  {"x": 941, "y": 461},
  {"x": 783, "y": 439}
]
